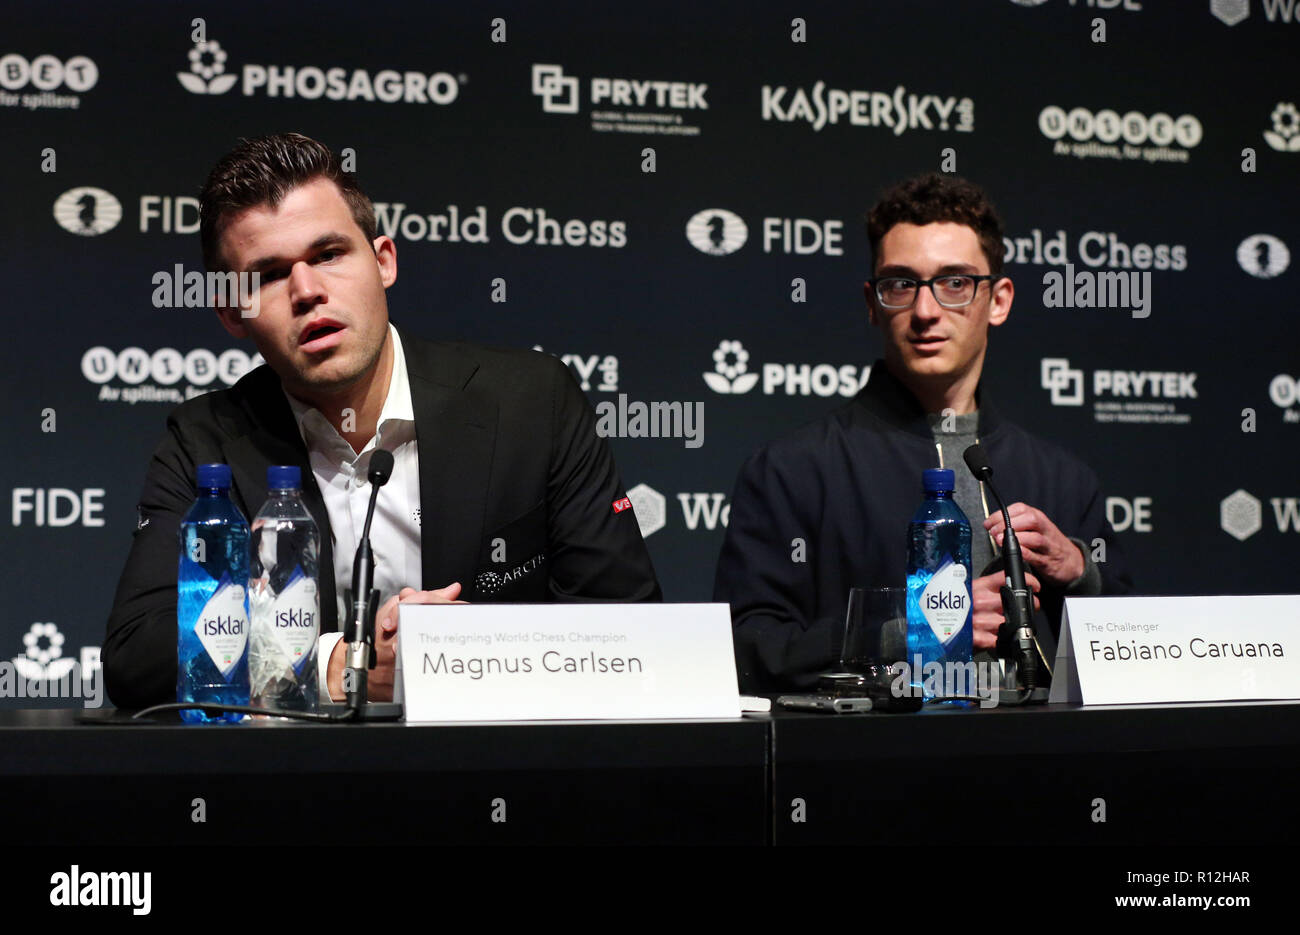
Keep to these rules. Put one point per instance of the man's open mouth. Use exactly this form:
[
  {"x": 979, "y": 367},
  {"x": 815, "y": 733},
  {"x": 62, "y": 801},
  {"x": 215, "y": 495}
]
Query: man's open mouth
[{"x": 317, "y": 335}]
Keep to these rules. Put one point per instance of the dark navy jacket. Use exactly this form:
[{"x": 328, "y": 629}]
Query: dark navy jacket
[{"x": 847, "y": 486}]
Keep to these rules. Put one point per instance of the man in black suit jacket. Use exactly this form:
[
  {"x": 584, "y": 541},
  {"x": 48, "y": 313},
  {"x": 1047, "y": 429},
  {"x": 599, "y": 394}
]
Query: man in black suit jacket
[{"x": 506, "y": 442}]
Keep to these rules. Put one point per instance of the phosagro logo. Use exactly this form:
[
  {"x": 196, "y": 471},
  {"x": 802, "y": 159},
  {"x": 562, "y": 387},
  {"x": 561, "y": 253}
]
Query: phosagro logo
[
  {"x": 1241, "y": 515},
  {"x": 1285, "y": 135},
  {"x": 1106, "y": 134},
  {"x": 207, "y": 75},
  {"x": 163, "y": 369},
  {"x": 731, "y": 375},
  {"x": 1263, "y": 256},
  {"x": 717, "y": 231},
  {"x": 87, "y": 211},
  {"x": 1132, "y": 396},
  {"x": 43, "y": 671}
]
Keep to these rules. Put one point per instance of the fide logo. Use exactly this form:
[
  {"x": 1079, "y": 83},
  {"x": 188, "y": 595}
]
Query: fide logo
[
  {"x": 1230, "y": 12},
  {"x": 717, "y": 231},
  {"x": 87, "y": 211},
  {"x": 1065, "y": 383},
  {"x": 1263, "y": 256}
]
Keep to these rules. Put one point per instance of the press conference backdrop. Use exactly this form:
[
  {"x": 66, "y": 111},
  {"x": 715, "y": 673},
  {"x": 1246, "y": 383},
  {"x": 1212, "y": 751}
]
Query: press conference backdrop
[{"x": 670, "y": 197}]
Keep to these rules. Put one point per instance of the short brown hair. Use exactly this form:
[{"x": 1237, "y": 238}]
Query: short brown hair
[
  {"x": 933, "y": 197},
  {"x": 262, "y": 171}
]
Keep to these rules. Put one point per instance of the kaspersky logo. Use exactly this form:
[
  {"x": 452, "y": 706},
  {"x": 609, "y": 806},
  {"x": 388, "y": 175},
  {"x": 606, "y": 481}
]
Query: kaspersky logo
[{"x": 207, "y": 74}]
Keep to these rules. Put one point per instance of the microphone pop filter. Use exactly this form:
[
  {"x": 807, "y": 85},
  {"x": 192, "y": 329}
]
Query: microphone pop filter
[
  {"x": 977, "y": 460},
  {"x": 381, "y": 467}
]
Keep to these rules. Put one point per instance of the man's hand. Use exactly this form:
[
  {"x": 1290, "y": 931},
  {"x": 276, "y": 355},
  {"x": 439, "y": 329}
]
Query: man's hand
[
  {"x": 379, "y": 683},
  {"x": 987, "y": 615},
  {"x": 1046, "y": 549}
]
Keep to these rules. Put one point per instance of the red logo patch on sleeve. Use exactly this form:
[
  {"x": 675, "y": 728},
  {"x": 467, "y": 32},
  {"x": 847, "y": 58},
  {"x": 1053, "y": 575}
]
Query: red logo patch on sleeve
[{"x": 621, "y": 505}]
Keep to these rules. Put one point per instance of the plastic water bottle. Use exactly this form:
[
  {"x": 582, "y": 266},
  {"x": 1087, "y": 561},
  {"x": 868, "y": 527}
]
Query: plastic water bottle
[
  {"x": 939, "y": 601},
  {"x": 283, "y": 597},
  {"x": 211, "y": 600}
]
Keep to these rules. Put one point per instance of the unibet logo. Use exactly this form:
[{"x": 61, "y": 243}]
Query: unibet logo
[
  {"x": 47, "y": 73},
  {"x": 167, "y": 365},
  {"x": 208, "y": 66},
  {"x": 1284, "y": 390},
  {"x": 87, "y": 211},
  {"x": 1108, "y": 126},
  {"x": 649, "y": 507},
  {"x": 1230, "y": 12},
  {"x": 717, "y": 231},
  {"x": 1263, "y": 256}
]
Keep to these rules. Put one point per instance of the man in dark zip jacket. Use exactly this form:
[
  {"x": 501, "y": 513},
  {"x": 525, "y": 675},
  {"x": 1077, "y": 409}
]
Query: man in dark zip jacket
[{"x": 827, "y": 508}]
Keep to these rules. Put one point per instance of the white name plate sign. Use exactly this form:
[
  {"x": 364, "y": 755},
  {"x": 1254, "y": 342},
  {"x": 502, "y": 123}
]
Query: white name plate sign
[
  {"x": 1143, "y": 650},
  {"x": 510, "y": 662}
]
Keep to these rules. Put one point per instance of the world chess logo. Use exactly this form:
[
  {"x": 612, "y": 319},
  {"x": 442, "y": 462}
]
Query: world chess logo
[
  {"x": 87, "y": 211},
  {"x": 1230, "y": 12},
  {"x": 207, "y": 67},
  {"x": 1064, "y": 383},
  {"x": 1285, "y": 135},
  {"x": 717, "y": 231},
  {"x": 1240, "y": 515},
  {"x": 1263, "y": 256},
  {"x": 650, "y": 507},
  {"x": 558, "y": 92}
]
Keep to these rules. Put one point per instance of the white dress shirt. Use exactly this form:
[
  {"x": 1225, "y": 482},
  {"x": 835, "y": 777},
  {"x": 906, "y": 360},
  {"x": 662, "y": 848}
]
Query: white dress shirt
[{"x": 340, "y": 474}]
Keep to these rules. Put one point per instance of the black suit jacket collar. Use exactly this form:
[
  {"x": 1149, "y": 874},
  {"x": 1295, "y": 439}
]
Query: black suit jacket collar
[{"x": 455, "y": 436}]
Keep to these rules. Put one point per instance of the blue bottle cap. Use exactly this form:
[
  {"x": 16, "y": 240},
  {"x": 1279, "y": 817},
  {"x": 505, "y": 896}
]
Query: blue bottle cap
[
  {"x": 936, "y": 480},
  {"x": 214, "y": 475},
  {"x": 283, "y": 477}
]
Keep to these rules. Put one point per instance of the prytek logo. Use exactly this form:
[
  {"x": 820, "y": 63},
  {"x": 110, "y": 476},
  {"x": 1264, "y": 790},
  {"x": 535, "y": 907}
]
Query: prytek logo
[
  {"x": 650, "y": 508},
  {"x": 164, "y": 368},
  {"x": 1129, "y": 396},
  {"x": 45, "y": 73},
  {"x": 1064, "y": 383},
  {"x": 207, "y": 75},
  {"x": 1284, "y": 391},
  {"x": 1263, "y": 256},
  {"x": 731, "y": 375},
  {"x": 559, "y": 92},
  {"x": 1285, "y": 135},
  {"x": 1230, "y": 12},
  {"x": 1095, "y": 135},
  {"x": 1241, "y": 514},
  {"x": 899, "y": 112},
  {"x": 87, "y": 211},
  {"x": 717, "y": 231}
]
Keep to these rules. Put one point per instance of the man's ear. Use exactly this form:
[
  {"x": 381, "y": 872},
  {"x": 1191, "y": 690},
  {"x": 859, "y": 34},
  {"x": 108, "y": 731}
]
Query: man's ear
[
  {"x": 871, "y": 303},
  {"x": 233, "y": 322},
  {"x": 1000, "y": 304},
  {"x": 386, "y": 258}
]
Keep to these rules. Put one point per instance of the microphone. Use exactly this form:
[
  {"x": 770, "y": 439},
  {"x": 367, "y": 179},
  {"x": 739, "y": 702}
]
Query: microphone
[
  {"x": 362, "y": 600},
  {"x": 1017, "y": 601}
]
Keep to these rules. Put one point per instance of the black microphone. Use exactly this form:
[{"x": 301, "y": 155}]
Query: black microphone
[
  {"x": 1017, "y": 601},
  {"x": 362, "y": 600}
]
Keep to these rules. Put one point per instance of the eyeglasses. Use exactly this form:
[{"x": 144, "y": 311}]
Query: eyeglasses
[{"x": 950, "y": 291}]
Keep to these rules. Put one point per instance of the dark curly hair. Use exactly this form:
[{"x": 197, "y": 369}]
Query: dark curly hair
[
  {"x": 935, "y": 197},
  {"x": 262, "y": 171}
]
